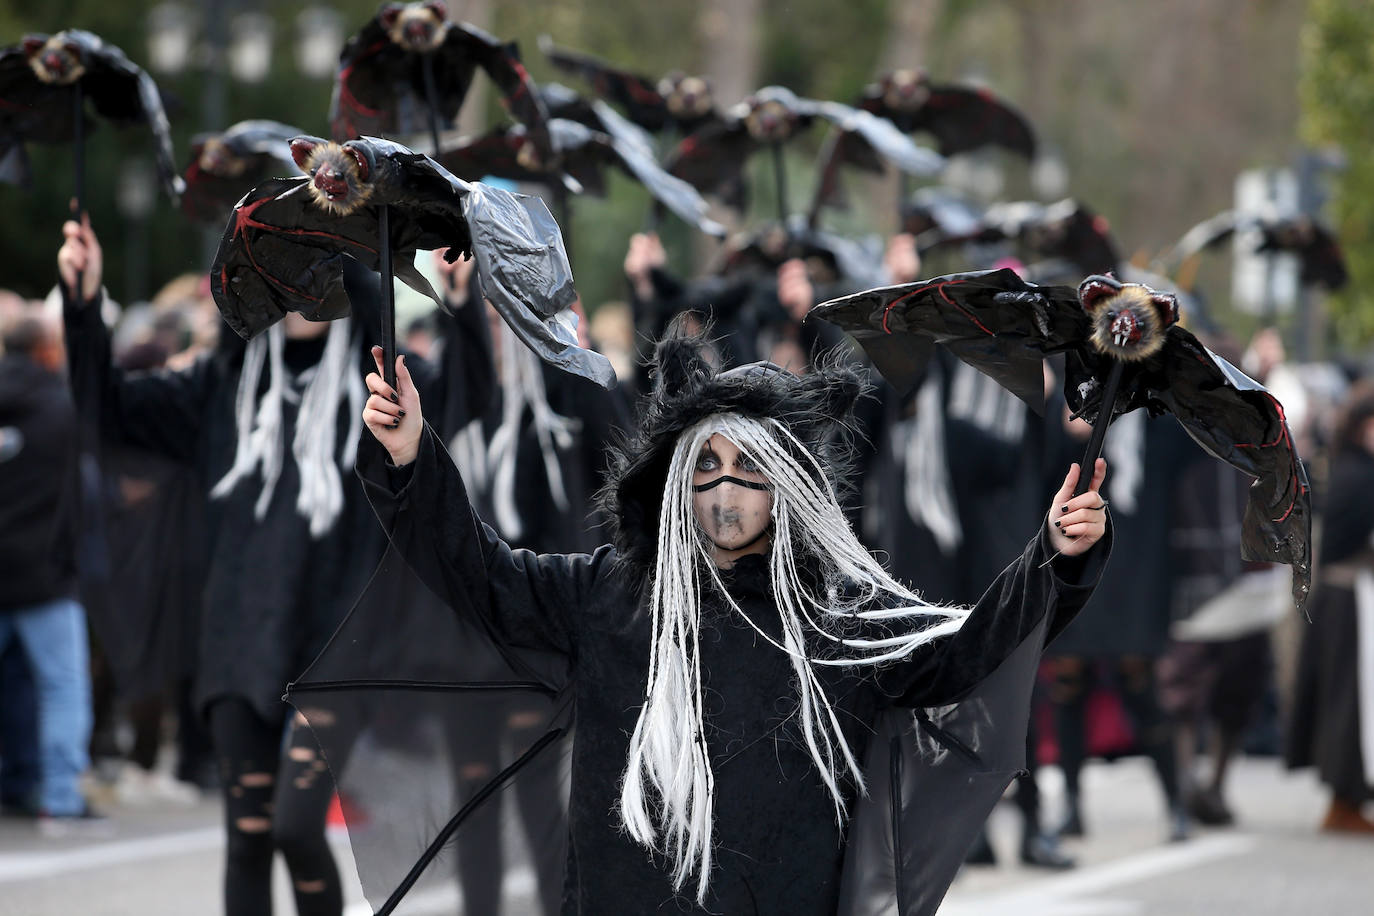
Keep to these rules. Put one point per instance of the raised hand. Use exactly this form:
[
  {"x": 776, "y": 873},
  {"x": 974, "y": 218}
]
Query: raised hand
[
  {"x": 1076, "y": 523},
  {"x": 394, "y": 416},
  {"x": 80, "y": 254}
]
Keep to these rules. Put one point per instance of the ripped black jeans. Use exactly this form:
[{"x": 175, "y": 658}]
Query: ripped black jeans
[{"x": 276, "y": 796}]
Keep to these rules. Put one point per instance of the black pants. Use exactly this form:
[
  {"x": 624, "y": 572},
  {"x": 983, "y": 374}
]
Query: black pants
[{"x": 275, "y": 797}]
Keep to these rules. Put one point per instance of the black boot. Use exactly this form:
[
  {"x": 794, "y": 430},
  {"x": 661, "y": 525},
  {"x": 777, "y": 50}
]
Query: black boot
[
  {"x": 1072, "y": 825},
  {"x": 1040, "y": 850}
]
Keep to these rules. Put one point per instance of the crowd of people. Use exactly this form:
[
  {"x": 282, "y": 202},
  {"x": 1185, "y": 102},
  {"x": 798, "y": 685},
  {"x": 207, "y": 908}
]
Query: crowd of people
[{"x": 184, "y": 533}]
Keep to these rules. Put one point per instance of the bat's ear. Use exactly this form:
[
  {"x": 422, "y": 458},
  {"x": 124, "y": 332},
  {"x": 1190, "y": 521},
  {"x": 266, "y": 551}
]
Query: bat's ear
[
  {"x": 438, "y": 8},
  {"x": 361, "y": 157},
  {"x": 389, "y": 13},
  {"x": 301, "y": 148},
  {"x": 33, "y": 44},
  {"x": 1167, "y": 306},
  {"x": 1094, "y": 289}
]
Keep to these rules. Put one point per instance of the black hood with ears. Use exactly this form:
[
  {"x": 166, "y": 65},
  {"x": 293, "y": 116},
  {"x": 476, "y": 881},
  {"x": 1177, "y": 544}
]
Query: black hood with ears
[{"x": 817, "y": 407}]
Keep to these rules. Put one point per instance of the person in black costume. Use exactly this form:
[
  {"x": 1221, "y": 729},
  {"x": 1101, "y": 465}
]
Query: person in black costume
[
  {"x": 270, "y": 429},
  {"x": 733, "y": 649},
  {"x": 1331, "y": 722}
]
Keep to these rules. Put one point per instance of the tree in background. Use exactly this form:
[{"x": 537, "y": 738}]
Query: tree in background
[{"x": 1337, "y": 92}]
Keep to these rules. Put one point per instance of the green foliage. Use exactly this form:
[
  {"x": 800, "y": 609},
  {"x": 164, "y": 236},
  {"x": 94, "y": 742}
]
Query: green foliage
[{"x": 1337, "y": 92}]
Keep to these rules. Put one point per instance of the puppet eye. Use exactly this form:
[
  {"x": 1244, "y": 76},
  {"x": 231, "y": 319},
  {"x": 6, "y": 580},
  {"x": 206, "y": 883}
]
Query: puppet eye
[{"x": 301, "y": 148}]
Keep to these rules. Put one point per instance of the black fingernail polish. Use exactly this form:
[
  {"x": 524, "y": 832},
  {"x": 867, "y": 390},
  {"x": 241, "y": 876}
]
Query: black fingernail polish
[
  {"x": 1063, "y": 508},
  {"x": 395, "y": 423},
  {"x": 1056, "y": 524},
  {"x": 395, "y": 400},
  {"x": 403, "y": 413}
]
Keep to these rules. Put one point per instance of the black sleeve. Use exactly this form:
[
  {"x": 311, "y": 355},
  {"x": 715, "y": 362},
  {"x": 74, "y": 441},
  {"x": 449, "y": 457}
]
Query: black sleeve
[
  {"x": 525, "y": 600},
  {"x": 161, "y": 410},
  {"x": 944, "y": 671}
]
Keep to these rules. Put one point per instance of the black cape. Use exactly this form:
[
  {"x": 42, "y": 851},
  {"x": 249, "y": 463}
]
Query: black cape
[{"x": 571, "y": 628}]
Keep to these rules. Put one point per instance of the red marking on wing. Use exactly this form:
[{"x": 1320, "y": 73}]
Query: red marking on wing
[
  {"x": 939, "y": 288},
  {"x": 1282, "y": 437},
  {"x": 243, "y": 219}
]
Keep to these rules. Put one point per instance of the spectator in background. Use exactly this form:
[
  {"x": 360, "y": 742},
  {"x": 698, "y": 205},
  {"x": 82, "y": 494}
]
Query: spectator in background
[
  {"x": 1331, "y": 722},
  {"x": 39, "y": 493}
]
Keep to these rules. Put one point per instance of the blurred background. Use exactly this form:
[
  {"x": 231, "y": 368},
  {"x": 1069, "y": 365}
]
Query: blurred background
[{"x": 1148, "y": 113}]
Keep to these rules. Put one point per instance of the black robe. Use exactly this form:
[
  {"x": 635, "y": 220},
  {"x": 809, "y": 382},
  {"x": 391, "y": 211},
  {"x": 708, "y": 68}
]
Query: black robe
[
  {"x": 779, "y": 848},
  {"x": 1324, "y": 726}
]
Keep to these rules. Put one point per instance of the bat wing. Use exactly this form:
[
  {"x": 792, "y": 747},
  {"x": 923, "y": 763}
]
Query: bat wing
[
  {"x": 712, "y": 159},
  {"x": 965, "y": 119},
  {"x": 636, "y": 155},
  {"x": 1210, "y": 232},
  {"x": 636, "y": 94},
  {"x": 523, "y": 270},
  {"x": 1320, "y": 256},
  {"x": 371, "y": 66},
  {"x": 495, "y": 153},
  {"x": 991, "y": 319},
  {"x": 501, "y": 61},
  {"x": 123, "y": 93},
  {"x": 280, "y": 253},
  {"x": 882, "y": 136},
  {"x": 1235, "y": 419}
]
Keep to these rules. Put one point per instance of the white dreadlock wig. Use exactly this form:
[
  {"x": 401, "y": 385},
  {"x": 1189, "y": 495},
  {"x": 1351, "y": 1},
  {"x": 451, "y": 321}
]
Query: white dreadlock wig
[
  {"x": 667, "y": 793},
  {"x": 491, "y": 470},
  {"x": 259, "y": 440}
]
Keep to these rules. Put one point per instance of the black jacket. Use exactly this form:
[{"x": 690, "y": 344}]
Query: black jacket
[{"x": 40, "y": 486}]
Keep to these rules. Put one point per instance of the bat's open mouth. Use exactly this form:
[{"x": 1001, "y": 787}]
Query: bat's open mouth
[
  {"x": 1125, "y": 329},
  {"x": 332, "y": 184}
]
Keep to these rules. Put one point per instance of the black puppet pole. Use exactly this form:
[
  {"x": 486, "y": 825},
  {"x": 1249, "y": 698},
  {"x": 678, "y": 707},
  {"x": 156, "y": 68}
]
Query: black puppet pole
[
  {"x": 431, "y": 100},
  {"x": 79, "y": 159},
  {"x": 388, "y": 297},
  {"x": 1099, "y": 433}
]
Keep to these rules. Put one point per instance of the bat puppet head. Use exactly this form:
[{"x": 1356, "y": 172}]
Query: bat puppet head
[
  {"x": 904, "y": 90},
  {"x": 216, "y": 158},
  {"x": 771, "y": 114},
  {"x": 56, "y": 60},
  {"x": 418, "y": 27},
  {"x": 340, "y": 174},
  {"x": 687, "y": 97},
  {"x": 1128, "y": 319}
]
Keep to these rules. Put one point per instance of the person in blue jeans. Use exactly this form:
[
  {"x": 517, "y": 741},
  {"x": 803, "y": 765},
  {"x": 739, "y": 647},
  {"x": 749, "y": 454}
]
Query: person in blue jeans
[{"x": 39, "y": 490}]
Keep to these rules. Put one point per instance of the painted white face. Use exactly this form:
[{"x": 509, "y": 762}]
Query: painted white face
[{"x": 731, "y": 500}]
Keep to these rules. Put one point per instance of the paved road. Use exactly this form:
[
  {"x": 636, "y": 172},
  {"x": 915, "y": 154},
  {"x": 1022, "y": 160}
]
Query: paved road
[{"x": 165, "y": 861}]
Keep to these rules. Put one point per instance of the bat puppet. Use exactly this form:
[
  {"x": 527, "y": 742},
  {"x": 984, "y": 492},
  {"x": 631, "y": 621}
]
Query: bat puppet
[
  {"x": 368, "y": 199},
  {"x": 584, "y": 154},
  {"x": 1065, "y": 230},
  {"x": 678, "y": 102},
  {"x": 45, "y": 83},
  {"x": 409, "y": 69},
  {"x": 712, "y": 158},
  {"x": 1126, "y": 334},
  {"x": 225, "y": 165},
  {"x": 1319, "y": 254}
]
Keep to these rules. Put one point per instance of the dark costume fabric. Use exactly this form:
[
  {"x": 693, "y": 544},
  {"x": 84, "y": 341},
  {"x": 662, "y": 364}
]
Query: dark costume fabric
[
  {"x": 272, "y": 593},
  {"x": 1325, "y": 723},
  {"x": 576, "y": 624}
]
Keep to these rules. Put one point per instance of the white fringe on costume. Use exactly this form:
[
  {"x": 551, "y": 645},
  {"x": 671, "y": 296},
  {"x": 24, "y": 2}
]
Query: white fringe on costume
[
  {"x": 491, "y": 470},
  {"x": 259, "y": 424},
  {"x": 668, "y": 789}
]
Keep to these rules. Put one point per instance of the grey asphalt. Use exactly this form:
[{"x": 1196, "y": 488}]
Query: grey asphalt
[{"x": 165, "y": 861}]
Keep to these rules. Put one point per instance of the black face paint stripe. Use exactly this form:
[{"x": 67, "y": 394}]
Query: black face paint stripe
[{"x": 751, "y": 484}]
